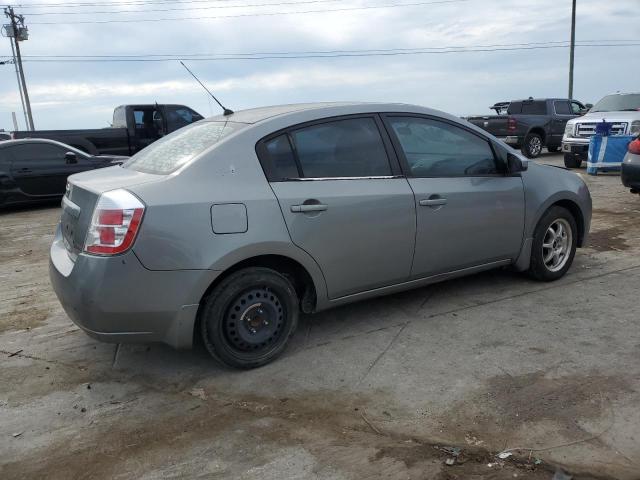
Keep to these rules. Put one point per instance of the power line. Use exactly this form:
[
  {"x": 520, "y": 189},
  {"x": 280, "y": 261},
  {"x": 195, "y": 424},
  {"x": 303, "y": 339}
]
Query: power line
[
  {"x": 208, "y": 7},
  {"x": 115, "y": 4},
  {"x": 263, "y": 14},
  {"x": 320, "y": 52},
  {"x": 336, "y": 55}
]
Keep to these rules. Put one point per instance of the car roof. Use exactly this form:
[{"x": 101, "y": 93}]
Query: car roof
[
  {"x": 319, "y": 109},
  {"x": 24, "y": 141}
]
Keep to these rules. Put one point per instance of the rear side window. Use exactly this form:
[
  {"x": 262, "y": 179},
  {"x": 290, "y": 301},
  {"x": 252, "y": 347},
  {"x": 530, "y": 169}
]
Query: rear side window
[
  {"x": 281, "y": 163},
  {"x": 562, "y": 108},
  {"x": 534, "y": 108},
  {"x": 438, "y": 149},
  {"x": 514, "y": 107},
  {"x": 342, "y": 148},
  {"x": 173, "y": 151}
]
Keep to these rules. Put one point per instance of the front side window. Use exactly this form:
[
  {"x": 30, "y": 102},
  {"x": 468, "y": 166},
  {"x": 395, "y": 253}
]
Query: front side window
[
  {"x": 173, "y": 151},
  {"x": 576, "y": 108},
  {"x": 437, "y": 149},
  {"x": 39, "y": 153},
  {"x": 178, "y": 117},
  {"x": 342, "y": 148},
  {"x": 562, "y": 107}
]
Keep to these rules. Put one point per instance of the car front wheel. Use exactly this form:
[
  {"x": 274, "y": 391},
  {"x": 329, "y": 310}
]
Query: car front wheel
[
  {"x": 554, "y": 245},
  {"x": 572, "y": 160},
  {"x": 247, "y": 320}
]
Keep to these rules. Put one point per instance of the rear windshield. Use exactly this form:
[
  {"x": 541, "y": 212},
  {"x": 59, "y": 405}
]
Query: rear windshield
[
  {"x": 173, "y": 151},
  {"x": 618, "y": 103}
]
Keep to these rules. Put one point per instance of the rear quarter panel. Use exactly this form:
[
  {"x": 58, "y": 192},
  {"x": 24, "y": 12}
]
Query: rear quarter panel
[{"x": 177, "y": 232}]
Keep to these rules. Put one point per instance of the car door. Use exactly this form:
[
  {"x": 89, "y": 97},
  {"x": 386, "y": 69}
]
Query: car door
[
  {"x": 564, "y": 113},
  {"x": 40, "y": 168},
  {"x": 344, "y": 201},
  {"x": 469, "y": 213}
]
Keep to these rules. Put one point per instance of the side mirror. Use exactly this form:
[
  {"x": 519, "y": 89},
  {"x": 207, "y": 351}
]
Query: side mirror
[
  {"x": 588, "y": 106},
  {"x": 70, "y": 158},
  {"x": 515, "y": 165}
]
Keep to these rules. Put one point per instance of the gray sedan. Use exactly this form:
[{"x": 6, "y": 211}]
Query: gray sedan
[{"x": 232, "y": 226}]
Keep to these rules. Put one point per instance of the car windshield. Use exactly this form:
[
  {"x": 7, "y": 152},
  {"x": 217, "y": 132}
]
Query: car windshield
[
  {"x": 175, "y": 150},
  {"x": 618, "y": 103}
]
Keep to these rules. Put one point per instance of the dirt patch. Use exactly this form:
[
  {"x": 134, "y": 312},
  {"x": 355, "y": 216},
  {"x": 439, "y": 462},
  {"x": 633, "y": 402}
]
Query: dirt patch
[
  {"x": 608, "y": 239},
  {"x": 252, "y": 432},
  {"x": 510, "y": 403}
]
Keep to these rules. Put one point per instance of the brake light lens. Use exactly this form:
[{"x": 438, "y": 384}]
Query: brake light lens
[
  {"x": 634, "y": 147},
  {"x": 512, "y": 124},
  {"x": 115, "y": 223}
]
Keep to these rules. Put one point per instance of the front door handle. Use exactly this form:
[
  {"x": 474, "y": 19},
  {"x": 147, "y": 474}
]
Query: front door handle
[
  {"x": 432, "y": 202},
  {"x": 314, "y": 207}
]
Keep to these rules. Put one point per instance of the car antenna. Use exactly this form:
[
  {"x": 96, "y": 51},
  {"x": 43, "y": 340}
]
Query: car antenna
[{"x": 226, "y": 111}]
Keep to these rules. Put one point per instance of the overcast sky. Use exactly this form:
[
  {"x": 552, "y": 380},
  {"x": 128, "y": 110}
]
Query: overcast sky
[{"x": 82, "y": 95}]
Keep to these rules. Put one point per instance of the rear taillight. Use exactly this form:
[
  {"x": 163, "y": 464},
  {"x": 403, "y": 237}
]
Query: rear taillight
[
  {"x": 634, "y": 147},
  {"x": 512, "y": 124},
  {"x": 115, "y": 223}
]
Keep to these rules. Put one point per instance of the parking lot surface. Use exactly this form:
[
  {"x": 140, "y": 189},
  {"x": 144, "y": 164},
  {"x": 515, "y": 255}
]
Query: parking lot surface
[{"x": 430, "y": 383}]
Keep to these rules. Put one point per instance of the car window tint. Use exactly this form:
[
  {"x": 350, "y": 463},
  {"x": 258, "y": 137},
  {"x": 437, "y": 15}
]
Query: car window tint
[
  {"x": 38, "y": 153},
  {"x": 562, "y": 108},
  {"x": 280, "y": 164},
  {"x": 438, "y": 149},
  {"x": 514, "y": 107},
  {"x": 344, "y": 148},
  {"x": 534, "y": 108},
  {"x": 178, "y": 117}
]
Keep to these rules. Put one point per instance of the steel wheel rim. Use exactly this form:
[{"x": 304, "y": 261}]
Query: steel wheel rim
[
  {"x": 254, "y": 321},
  {"x": 557, "y": 244},
  {"x": 535, "y": 145}
]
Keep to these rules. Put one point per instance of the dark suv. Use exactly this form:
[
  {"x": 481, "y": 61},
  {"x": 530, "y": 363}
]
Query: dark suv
[{"x": 531, "y": 124}]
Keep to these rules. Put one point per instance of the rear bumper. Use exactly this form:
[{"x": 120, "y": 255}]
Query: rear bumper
[
  {"x": 510, "y": 140},
  {"x": 630, "y": 172},
  {"x": 115, "y": 299}
]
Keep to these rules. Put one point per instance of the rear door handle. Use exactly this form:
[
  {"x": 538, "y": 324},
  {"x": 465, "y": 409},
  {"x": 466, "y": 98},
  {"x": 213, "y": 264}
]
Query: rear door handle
[
  {"x": 431, "y": 202},
  {"x": 314, "y": 207}
]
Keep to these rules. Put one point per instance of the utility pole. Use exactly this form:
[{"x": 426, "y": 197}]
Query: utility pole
[
  {"x": 15, "y": 64},
  {"x": 17, "y": 33},
  {"x": 572, "y": 48}
]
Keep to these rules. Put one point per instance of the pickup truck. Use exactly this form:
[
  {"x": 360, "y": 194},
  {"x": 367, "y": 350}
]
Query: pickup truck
[
  {"x": 532, "y": 123},
  {"x": 622, "y": 110},
  {"x": 133, "y": 128}
]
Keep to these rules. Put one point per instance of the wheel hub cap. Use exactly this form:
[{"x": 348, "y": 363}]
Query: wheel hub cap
[
  {"x": 254, "y": 320},
  {"x": 557, "y": 244}
]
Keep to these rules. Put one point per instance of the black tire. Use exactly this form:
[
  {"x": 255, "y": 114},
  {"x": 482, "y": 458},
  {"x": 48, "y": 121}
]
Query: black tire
[
  {"x": 254, "y": 336},
  {"x": 538, "y": 269},
  {"x": 532, "y": 146},
  {"x": 571, "y": 160},
  {"x": 553, "y": 149}
]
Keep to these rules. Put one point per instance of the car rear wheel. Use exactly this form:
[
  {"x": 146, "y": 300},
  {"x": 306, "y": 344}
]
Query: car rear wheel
[
  {"x": 248, "y": 318},
  {"x": 554, "y": 245},
  {"x": 532, "y": 146},
  {"x": 572, "y": 160}
]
